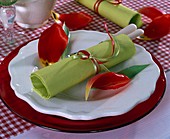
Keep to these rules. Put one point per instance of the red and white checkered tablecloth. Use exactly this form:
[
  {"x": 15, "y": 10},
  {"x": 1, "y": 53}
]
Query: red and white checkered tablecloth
[{"x": 10, "y": 124}]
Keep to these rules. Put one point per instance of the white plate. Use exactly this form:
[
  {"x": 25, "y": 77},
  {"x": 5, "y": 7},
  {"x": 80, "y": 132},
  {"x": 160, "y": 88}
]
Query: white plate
[{"x": 70, "y": 104}]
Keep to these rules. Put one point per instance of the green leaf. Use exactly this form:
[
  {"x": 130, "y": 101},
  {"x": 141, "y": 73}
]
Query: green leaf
[
  {"x": 67, "y": 50},
  {"x": 133, "y": 71}
]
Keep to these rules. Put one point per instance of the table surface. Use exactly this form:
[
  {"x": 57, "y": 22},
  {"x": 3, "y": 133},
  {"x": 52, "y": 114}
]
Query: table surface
[{"x": 11, "y": 124}]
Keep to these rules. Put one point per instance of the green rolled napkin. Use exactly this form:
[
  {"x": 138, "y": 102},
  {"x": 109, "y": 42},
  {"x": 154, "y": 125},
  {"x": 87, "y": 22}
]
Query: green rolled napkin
[
  {"x": 119, "y": 14},
  {"x": 62, "y": 75}
]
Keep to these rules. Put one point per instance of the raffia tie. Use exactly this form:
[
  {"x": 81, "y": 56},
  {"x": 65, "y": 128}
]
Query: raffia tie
[
  {"x": 97, "y": 63},
  {"x": 98, "y": 2}
]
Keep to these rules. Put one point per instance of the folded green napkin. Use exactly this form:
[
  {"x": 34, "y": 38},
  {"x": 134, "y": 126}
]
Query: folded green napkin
[
  {"x": 118, "y": 14},
  {"x": 54, "y": 79}
]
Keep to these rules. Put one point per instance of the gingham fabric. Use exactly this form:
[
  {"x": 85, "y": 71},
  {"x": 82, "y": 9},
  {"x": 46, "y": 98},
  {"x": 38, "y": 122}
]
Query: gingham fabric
[{"x": 10, "y": 124}]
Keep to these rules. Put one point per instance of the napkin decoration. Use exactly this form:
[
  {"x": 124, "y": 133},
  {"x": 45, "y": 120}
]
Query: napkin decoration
[
  {"x": 62, "y": 75},
  {"x": 67, "y": 72},
  {"x": 159, "y": 26},
  {"x": 114, "y": 11}
]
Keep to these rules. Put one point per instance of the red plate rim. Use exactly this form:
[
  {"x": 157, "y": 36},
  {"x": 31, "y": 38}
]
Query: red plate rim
[{"x": 26, "y": 112}]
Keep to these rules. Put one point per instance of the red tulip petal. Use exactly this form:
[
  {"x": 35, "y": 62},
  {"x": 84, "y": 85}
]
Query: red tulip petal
[
  {"x": 158, "y": 28},
  {"x": 52, "y": 43},
  {"x": 75, "y": 20},
  {"x": 105, "y": 81},
  {"x": 151, "y": 12},
  {"x": 111, "y": 80}
]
